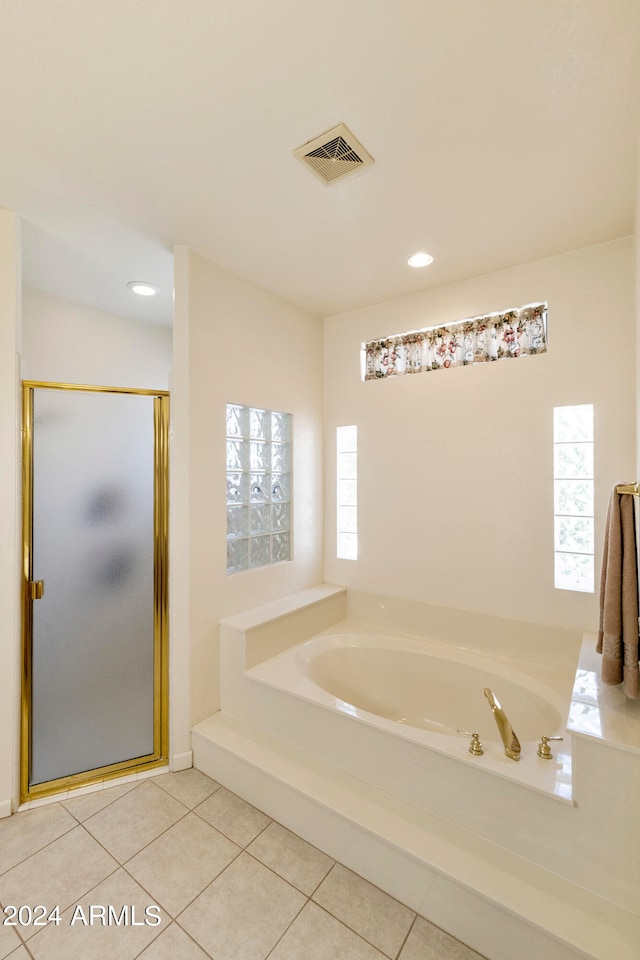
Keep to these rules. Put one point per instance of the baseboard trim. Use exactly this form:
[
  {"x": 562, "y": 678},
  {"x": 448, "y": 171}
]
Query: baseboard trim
[{"x": 182, "y": 761}]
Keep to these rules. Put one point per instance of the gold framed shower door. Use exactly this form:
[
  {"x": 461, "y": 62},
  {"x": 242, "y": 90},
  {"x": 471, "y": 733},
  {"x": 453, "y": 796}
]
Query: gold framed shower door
[{"x": 32, "y": 591}]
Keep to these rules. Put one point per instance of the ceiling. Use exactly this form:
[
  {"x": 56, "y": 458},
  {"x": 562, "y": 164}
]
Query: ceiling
[{"x": 502, "y": 131}]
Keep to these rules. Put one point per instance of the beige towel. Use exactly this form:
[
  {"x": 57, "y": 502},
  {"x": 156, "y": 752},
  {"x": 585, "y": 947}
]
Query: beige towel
[{"x": 618, "y": 633}]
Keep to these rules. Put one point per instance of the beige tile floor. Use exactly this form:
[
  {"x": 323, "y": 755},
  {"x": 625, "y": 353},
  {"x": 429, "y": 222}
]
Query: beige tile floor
[{"x": 224, "y": 881}]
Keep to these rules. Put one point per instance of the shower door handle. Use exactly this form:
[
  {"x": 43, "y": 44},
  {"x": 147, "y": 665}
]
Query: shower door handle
[{"x": 36, "y": 589}]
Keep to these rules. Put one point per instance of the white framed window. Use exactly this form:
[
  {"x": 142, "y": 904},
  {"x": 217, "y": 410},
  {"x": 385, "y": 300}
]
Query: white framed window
[
  {"x": 259, "y": 522},
  {"x": 347, "y": 492},
  {"x": 573, "y": 473}
]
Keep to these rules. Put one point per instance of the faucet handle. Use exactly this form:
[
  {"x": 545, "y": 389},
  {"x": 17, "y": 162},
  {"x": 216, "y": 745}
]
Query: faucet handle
[
  {"x": 544, "y": 750},
  {"x": 475, "y": 747}
]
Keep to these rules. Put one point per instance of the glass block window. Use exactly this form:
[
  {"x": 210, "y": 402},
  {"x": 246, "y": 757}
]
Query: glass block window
[
  {"x": 347, "y": 493},
  {"x": 573, "y": 497},
  {"x": 258, "y": 487}
]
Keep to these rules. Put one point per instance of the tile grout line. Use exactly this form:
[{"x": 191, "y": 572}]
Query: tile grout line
[
  {"x": 355, "y": 932},
  {"x": 121, "y": 863},
  {"x": 21, "y": 939},
  {"x": 226, "y": 835},
  {"x": 379, "y": 889},
  {"x": 260, "y": 832},
  {"x": 175, "y": 923},
  {"x": 26, "y": 947},
  {"x": 404, "y": 942},
  {"x": 193, "y": 899},
  {"x": 218, "y": 786},
  {"x": 241, "y": 850},
  {"x": 96, "y": 793},
  {"x": 286, "y": 930},
  {"x": 40, "y": 849},
  {"x": 187, "y": 934}
]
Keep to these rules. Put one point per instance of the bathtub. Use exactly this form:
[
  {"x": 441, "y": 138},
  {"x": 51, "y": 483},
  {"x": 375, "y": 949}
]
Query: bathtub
[
  {"x": 339, "y": 717},
  {"x": 432, "y": 693}
]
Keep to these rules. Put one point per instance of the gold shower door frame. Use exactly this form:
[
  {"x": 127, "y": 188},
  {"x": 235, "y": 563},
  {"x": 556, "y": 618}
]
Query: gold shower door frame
[{"x": 159, "y": 756}]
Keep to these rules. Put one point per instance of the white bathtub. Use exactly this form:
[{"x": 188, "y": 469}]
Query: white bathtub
[
  {"x": 427, "y": 691},
  {"x": 401, "y": 681}
]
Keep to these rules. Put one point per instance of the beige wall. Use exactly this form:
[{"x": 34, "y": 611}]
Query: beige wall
[
  {"x": 10, "y": 539},
  {"x": 637, "y": 291},
  {"x": 235, "y": 342},
  {"x": 455, "y": 467},
  {"x": 68, "y": 342}
]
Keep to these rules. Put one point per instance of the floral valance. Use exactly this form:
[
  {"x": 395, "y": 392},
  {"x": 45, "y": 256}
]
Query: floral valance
[{"x": 514, "y": 333}]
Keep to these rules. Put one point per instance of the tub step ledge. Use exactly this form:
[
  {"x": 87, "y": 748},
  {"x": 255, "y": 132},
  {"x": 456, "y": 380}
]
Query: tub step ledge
[{"x": 479, "y": 892}]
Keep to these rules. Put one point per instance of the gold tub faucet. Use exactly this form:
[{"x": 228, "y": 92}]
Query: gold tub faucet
[{"x": 509, "y": 739}]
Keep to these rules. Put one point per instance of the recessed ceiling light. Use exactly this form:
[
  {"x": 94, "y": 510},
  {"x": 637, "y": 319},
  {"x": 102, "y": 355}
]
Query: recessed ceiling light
[
  {"x": 420, "y": 260},
  {"x": 142, "y": 288}
]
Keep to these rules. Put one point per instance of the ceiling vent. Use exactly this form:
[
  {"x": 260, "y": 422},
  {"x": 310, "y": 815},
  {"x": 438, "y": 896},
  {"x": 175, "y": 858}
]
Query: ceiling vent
[{"x": 334, "y": 155}]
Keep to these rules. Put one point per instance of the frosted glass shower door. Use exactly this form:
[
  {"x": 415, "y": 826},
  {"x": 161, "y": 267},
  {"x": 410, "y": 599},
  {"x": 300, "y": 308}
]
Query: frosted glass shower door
[{"x": 94, "y": 650}]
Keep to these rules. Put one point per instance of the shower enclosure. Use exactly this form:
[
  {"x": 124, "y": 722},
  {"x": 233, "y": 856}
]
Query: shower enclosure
[{"x": 95, "y": 488}]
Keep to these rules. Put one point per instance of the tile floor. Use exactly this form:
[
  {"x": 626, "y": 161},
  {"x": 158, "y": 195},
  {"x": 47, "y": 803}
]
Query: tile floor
[{"x": 224, "y": 881}]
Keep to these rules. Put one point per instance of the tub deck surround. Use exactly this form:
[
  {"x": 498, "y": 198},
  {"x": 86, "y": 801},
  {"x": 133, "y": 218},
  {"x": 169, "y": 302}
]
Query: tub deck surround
[
  {"x": 601, "y": 713},
  {"x": 272, "y": 627},
  {"x": 562, "y": 840}
]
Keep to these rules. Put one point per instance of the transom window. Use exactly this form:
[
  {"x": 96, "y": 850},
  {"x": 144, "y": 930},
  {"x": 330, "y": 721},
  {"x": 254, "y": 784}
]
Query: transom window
[{"x": 258, "y": 487}]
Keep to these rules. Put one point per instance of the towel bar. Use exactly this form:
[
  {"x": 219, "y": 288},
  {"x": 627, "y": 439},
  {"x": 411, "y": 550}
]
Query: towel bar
[{"x": 632, "y": 488}]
